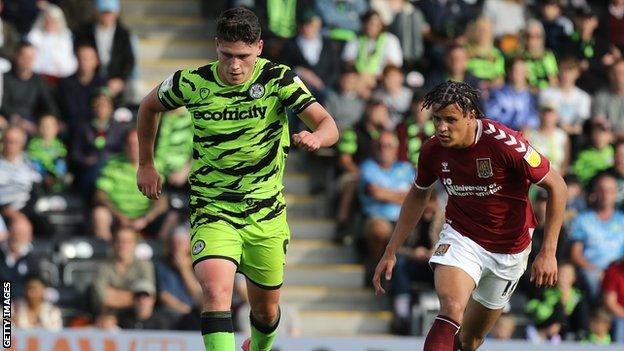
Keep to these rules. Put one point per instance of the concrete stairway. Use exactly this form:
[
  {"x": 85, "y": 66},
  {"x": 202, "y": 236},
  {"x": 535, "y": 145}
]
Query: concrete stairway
[{"x": 322, "y": 279}]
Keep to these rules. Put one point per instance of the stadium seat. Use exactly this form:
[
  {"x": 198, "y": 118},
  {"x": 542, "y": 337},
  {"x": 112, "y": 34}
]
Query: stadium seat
[
  {"x": 82, "y": 248},
  {"x": 80, "y": 274},
  {"x": 49, "y": 272}
]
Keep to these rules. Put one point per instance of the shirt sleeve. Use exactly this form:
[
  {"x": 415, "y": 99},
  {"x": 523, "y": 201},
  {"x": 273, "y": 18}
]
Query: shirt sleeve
[
  {"x": 394, "y": 52},
  {"x": 525, "y": 159},
  {"x": 425, "y": 176},
  {"x": 293, "y": 93},
  {"x": 175, "y": 91}
]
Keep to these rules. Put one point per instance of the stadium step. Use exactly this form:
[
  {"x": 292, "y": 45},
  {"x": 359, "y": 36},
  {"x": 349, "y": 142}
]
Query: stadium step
[
  {"x": 329, "y": 275},
  {"x": 169, "y": 26},
  {"x": 297, "y": 183},
  {"x": 306, "y": 206},
  {"x": 343, "y": 323},
  {"x": 158, "y": 48},
  {"x": 322, "y": 298},
  {"x": 312, "y": 228},
  {"x": 319, "y": 252},
  {"x": 160, "y": 7},
  {"x": 159, "y": 69}
]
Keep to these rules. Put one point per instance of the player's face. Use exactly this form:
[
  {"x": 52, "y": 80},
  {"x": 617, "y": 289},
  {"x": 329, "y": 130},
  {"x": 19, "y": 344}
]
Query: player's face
[
  {"x": 237, "y": 60},
  {"x": 453, "y": 129}
]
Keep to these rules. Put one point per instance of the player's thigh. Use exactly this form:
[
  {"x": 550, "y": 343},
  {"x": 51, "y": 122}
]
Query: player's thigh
[
  {"x": 216, "y": 277},
  {"x": 477, "y": 323},
  {"x": 264, "y": 252},
  {"x": 453, "y": 287}
]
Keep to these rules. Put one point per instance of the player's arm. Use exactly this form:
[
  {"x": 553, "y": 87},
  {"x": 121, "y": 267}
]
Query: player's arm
[
  {"x": 544, "y": 270},
  {"x": 148, "y": 179},
  {"x": 325, "y": 132},
  {"x": 412, "y": 209}
]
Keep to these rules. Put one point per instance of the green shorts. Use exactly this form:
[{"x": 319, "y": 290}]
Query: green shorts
[{"x": 254, "y": 235}]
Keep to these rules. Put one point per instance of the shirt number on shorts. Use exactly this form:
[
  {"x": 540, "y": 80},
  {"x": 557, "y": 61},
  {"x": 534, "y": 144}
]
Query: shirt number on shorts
[{"x": 510, "y": 287}]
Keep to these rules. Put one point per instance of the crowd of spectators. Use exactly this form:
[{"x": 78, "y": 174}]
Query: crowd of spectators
[{"x": 551, "y": 69}]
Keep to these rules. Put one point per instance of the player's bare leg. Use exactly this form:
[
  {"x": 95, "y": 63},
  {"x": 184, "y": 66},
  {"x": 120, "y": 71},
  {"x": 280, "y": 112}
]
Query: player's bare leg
[
  {"x": 265, "y": 316},
  {"x": 453, "y": 287},
  {"x": 478, "y": 321},
  {"x": 216, "y": 277}
]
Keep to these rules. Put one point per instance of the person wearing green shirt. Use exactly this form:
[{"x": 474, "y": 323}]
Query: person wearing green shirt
[
  {"x": 241, "y": 140},
  {"x": 541, "y": 62},
  {"x": 598, "y": 156},
  {"x": 117, "y": 199},
  {"x": 49, "y": 154},
  {"x": 485, "y": 61}
]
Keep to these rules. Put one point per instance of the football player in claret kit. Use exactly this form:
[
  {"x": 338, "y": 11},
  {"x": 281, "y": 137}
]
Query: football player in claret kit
[
  {"x": 238, "y": 212},
  {"x": 486, "y": 169}
]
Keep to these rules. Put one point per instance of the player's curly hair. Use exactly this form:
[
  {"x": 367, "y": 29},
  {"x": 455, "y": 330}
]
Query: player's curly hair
[
  {"x": 238, "y": 24},
  {"x": 451, "y": 92}
]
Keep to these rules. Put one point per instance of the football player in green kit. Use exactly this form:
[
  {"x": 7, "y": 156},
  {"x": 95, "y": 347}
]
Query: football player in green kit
[{"x": 241, "y": 140}]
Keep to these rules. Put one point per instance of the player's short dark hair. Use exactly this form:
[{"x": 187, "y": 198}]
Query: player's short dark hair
[
  {"x": 238, "y": 24},
  {"x": 452, "y": 92}
]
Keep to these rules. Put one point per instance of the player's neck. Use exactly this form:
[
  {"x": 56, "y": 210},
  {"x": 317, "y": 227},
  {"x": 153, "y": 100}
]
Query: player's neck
[{"x": 471, "y": 137}]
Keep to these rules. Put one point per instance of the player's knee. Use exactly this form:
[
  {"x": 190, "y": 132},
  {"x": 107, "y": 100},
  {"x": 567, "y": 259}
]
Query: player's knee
[
  {"x": 216, "y": 296},
  {"x": 449, "y": 306},
  {"x": 265, "y": 313}
]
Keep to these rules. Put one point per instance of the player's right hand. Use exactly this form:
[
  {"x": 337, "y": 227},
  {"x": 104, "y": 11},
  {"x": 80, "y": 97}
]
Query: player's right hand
[
  {"x": 384, "y": 267},
  {"x": 148, "y": 181}
]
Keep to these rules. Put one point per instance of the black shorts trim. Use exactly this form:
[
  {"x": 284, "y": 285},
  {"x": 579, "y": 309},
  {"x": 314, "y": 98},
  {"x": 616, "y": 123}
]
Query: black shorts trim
[
  {"x": 264, "y": 287},
  {"x": 217, "y": 257}
]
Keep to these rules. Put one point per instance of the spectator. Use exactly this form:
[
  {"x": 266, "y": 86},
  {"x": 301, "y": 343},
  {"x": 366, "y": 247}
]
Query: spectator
[
  {"x": 174, "y": 147},
  {"x": 448, "y": 20},
  {"x": 16, "y": 257},
  {"x": 345, "y": 104},
  {"x": 617, "y": 171},
  {"x": 394, "y": 94},
  {"x": 95, "y": 140},
  {"x": 17, "y": 176},
  {"x": 21, "y": 13},
  {"x": 575, "y": 306},
  {"x": 9, "y": 38},
  {"x": 507, "y": 16},
  {"x": 384, "y": 183},
  {"x": 115, "y": 278},
  {"x": 106, "y": 320},
  {"x": 590, "y": 49},
  {"x": 341, "y": 19},
  {"x": 412, "y": 266},
  {"x": 53, "y": 44},
  {"x": 615, "y": 23},
  {"x": 178, "y": 289},
  {"x": 456, "y": 68},
  {"x": 513, "y": 104},
  {"x": 374, "y": 49},
  {"x": 25, "y": 96},
  {"x": 557, "y": 27},
  {"x": 142, "y": 315},
  {"x": 541, "y": 62},
  {"x": 119, "y": 201},
  {"x": 596, "y": 233},
  {"x": 576, "y": 199},
  {"x": 599, "y": 326},
  {"x": 414, "y": 130},
  {"x": 613, "y": 297},
  {"x": 311, "y": 56},
  {"x": 546, "y": 325},
  {"x": 410, "y": 26},
  {"x": 598, "y": 155},
  {"x": 485, "y": 61},
  {"x": 354, "y": 146},
  {"x": 49, "y": 154},
  {"x": 33, "y": 311},
  {"x": 112, "y": 40},
  {"x": 573, "y": 104},
  {"x": 609, "y": 104},
  {"x": 75, "y": 92},
  {"x": 550, "y": 140},
  {"x": 77, "y": 12},
  {"x": 504, "y": 327}
]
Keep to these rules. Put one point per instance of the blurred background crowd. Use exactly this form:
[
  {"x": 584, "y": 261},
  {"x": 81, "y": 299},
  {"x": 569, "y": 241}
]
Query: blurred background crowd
[{"x": 553, "y": 69}]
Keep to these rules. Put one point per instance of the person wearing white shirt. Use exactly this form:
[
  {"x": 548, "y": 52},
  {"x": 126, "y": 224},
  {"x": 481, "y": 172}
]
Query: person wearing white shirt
[{"x": 53, "y": 42}]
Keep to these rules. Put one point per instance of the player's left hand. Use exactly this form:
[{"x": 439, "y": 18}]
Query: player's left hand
[
  {"x": 307, "y": 140},
  {"x": 544, "y": 270}
]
